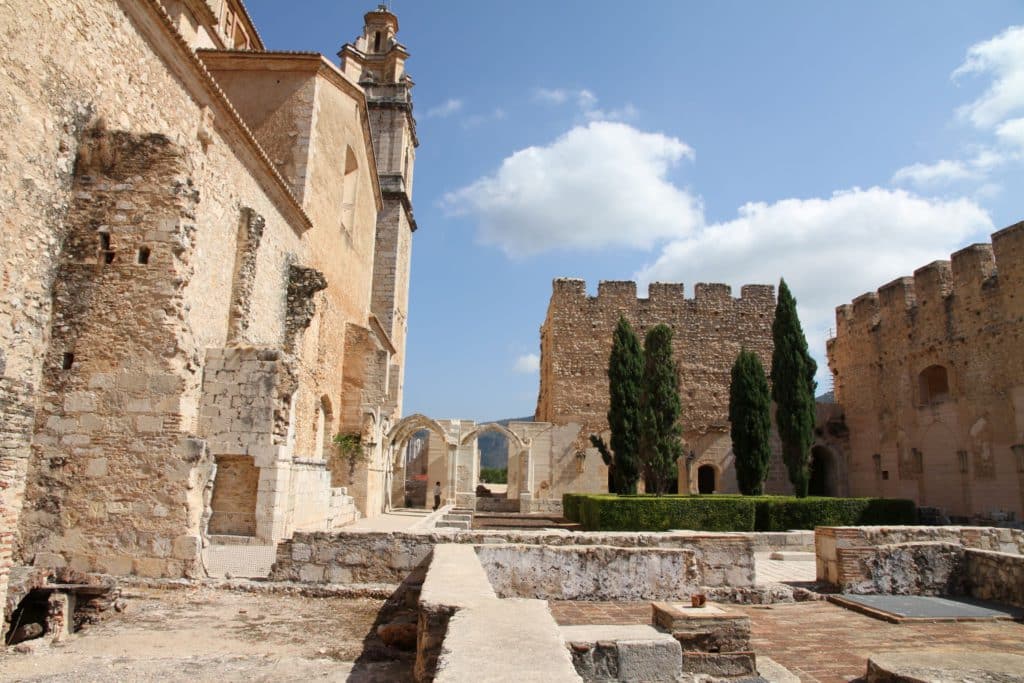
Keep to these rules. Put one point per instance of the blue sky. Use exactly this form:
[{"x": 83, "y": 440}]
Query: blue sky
[{"x": 838, "y": 145}]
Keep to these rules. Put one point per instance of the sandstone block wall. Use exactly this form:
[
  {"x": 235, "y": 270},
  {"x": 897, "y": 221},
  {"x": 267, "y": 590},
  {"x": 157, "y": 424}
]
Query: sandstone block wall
[
  {"x": 930, "y": 377},
  {"x": 709, "y": 331},
  {"x": 144, "y": 225}
]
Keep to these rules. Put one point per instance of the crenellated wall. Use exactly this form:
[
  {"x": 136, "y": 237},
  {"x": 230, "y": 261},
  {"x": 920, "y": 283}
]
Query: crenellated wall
[
  {"x": 930, "y": 376},
  {"x": 709, "y": 330}
]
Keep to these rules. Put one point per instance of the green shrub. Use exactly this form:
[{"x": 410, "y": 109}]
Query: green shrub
[
  {"x": 571, "y": 505},
  {"x": 782, "y": 513},
  {"x": 660, "y": 513},
  {"x": 605, "y": 512}
]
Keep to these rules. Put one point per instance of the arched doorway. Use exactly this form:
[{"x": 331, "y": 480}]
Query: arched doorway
[
  {"x": 400, "y": 444},
  {"x": 823, "y": 473},
  {"x": 706, "y": 476}
]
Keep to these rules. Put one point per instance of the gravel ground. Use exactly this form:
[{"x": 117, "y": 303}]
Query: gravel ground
[{"x": 208, "y": 634}]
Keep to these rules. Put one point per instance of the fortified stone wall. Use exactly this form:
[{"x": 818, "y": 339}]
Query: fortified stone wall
[
  {"x": 929, "y": 373},
  {"x": 709, "y": 331}
]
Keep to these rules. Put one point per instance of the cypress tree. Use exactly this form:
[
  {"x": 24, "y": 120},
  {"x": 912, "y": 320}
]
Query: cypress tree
[
  {"x": 751, "y": 423},
  {"x": 661, "y": 442},
  {"x": 793, "y": 388},
  {"x": 625, "y": 374}
]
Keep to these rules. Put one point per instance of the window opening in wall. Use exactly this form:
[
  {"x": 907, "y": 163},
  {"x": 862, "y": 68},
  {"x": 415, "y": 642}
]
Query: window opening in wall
[
  {"x": 376, "y": 42},
  {"x": 143, "y": 258},
  {"x": 934, "y": 385},
  {"x": 877, "y": 457},
  {"x": 962, "y": 458},
  {"x": 67, "y": 361},
  {"x": 104, "y": 241},
  {"x": 885, "y": 475},
  {"x": 348, "y": 190}
]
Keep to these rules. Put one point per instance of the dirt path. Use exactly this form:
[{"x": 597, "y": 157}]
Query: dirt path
[{"x": 209, "y": 634}]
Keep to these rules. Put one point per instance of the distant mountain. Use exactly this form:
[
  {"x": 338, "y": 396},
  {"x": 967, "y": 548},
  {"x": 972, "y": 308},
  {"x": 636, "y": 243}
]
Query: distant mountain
[
  {"x": 493, "y": 446},
  {"x": 827, "y": 397}
]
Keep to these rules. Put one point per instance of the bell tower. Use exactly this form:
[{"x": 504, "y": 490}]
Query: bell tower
[{"x": 376, "y": 60}]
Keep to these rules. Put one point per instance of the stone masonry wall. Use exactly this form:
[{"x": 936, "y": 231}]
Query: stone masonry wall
[
  {"x": 957, "y": 444},
  {"x": 709, "y": 330},
  {"x": 347, "y": 557},
  {"x": 16, "y": 421},
  {"x": 111, "y": 476},
  {"x": 995, "y": 576}
]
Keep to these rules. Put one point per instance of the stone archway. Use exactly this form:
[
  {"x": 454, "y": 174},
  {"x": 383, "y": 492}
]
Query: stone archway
[
  {"x": 707, "y": 479},
  {"x": 395, "y": 443},
  {"x": 516, "y": 449},
  {"x": 824, "y": 467}
]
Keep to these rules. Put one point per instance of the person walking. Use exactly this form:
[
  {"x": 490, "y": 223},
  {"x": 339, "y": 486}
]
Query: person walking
[{"x": 437, "y": 495}]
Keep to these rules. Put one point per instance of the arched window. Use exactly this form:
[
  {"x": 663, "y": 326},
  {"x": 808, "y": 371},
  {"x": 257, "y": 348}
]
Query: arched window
[{"x": 934, "y": 385}]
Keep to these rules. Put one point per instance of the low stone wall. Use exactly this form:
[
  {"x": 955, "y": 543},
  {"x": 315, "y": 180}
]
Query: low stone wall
[
  {"x": 904, "y": 569},
  {"x": 830, "y": 541},
  {"x": 364, "y": 557},
  {"x": 464, "y": 630},
  {"x": 590, "y": 572},
  {"x": 995, "y": 576}
]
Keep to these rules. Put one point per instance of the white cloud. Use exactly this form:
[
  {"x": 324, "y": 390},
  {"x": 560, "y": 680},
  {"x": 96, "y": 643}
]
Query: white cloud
[
  {"x": 938, "y": 173},
  {"x": 829, "y": 250},
  {"x": 599, "y": 185},
  {"x": 445, "y": 109},
  {"x": 527, "y": 364},
  {"x": 1012, "y": 133},
  {"x": 1001, "y": 58},
  {"x": 586, "y": 101}
]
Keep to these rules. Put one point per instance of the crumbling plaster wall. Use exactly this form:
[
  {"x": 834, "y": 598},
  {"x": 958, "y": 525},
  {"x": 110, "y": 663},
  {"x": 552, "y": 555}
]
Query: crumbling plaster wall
[{"x": 962, "y": 452}]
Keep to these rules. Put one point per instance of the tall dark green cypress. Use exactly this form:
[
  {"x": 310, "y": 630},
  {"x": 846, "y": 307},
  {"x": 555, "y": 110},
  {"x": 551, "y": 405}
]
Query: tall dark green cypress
[
  {"x": 793, "y": 388},
  {"x": 625, "y": 374},
  {"x": 661, "y": 442},
  {"x": 750, "y": 418}
]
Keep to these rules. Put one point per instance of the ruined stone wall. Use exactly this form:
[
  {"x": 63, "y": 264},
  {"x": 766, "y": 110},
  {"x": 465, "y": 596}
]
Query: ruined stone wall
[
  {"x": 114, "y": 414},
  {"x": 119, "y": 474},
  {"x": 930, "y": 377},
  {"x": 709, "y": 331}
]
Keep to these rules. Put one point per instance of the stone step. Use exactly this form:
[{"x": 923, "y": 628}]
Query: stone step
[
  {"x": 640, "y": 652},
  {"x": 792, "y": 556},
  {"x": 450, "y": 524}
]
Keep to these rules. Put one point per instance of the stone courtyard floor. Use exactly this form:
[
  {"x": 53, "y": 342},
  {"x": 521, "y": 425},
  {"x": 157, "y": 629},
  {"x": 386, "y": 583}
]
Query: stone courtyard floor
[
  {"x": 211, "y": 634},
  {"x": 819, "y": 641}
]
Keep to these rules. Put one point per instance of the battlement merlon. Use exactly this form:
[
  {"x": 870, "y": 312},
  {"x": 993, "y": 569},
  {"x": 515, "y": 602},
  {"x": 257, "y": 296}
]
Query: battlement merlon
[
  {"x": 620, "y": 291},
  {"x": 968, "y": 271}
]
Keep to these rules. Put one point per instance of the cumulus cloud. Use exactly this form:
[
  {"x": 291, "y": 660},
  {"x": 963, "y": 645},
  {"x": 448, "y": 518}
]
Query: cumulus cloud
[
  {"x": 829, "y": 250},
  {"x": 552, "y": 95},
  {"x": 527, "y": 364},
  {"x": 1002, "y": 59},
  {"x": 600, "y": 185},
  {"x": 445, "y": 109}
]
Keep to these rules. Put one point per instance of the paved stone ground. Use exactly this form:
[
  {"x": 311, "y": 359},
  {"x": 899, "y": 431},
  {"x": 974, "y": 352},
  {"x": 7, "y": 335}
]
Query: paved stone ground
[
  {"x": 767, "y": 570},
  {"x": 819, "y": 641}
]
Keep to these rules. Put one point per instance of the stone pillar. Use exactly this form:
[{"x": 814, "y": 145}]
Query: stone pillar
[{"x": 453, "y": 472}]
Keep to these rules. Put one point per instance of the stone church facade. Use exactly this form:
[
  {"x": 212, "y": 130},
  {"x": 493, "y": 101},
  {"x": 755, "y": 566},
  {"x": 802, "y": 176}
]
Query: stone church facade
[
  {"x": 205, "y": 271},
  {"x": 930, "y": 377}
]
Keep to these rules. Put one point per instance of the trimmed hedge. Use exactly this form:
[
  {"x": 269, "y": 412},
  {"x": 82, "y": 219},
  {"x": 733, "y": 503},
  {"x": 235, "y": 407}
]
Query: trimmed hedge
[
  {"x": 605, "y": 512},
  {"x": 651, "y": 513},
  {"x": 782, "y": 513}
]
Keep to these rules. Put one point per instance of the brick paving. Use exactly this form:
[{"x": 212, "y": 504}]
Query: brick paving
[{"x": 819, "y": 641}]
